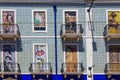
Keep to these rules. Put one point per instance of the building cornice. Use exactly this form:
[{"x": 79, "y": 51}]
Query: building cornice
[{"x": 60, "y": 1}]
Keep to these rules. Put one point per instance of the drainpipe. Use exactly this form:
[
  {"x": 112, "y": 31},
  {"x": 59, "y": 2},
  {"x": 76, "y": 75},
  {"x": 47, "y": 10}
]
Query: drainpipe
[{"x": 55, "y": 38}]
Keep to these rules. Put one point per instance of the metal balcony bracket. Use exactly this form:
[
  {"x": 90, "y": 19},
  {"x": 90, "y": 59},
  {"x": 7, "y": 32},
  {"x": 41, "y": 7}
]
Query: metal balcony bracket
[
  {"x": 2, "y": 75},
  {"x": 108, "y": 75},
  {"x": 47, "y": 76},
  {"x": 79, "y": 75},
  {"x": 65, "y": 75},
  {"x": 33, "y": 75},
  {"x": 90, "y": 75}
]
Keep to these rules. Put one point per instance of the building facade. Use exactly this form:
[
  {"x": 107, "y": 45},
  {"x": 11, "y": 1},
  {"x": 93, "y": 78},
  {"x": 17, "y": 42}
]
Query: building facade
[{"x": 59, "y": 40}]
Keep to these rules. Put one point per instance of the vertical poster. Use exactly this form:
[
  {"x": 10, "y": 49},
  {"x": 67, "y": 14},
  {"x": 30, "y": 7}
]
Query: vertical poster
[
  {"x": 8, "y": 20},
  {"x": 70, "y": 21},
  {"x": 71, "y": 58},
  {"x": 39, "y": 20},
  {"x": 9, "y": 58},
  {"x": 114, "y": 58},
  {"x": 40, "y": 56},
  {"x": 113, "y": 22}
]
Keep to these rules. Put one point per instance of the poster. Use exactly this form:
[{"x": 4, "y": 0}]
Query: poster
[
  {"x": 9, "y": 58},
  {"x": 70, "y": 21},
  {"x": 71, "y": 58},
  {"x": 113, "y": 22},
  {"x": 40, "y": 56},
  {"x": 39, "y": 20},
  {"x": 8, "y": 21}
]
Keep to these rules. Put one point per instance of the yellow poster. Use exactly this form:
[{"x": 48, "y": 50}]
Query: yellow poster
[{"x": 113, "y": 22}]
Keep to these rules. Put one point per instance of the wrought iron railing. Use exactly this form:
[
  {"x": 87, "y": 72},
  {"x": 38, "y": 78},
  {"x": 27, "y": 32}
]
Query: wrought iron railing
[
  {"x": 8, "y": 28},
  {"x": 71, "y": 28},
  {"x": 111, "y": 30},
  {"x": 72, "y": 68},
  {"x": 113, "y": 68},
  {"x": 9, "y": 68},
  {"x": 40, "y": 68}
]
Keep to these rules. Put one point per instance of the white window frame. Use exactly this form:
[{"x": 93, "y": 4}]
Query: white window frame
[
  {"x": 65, "y": 51},
  {"x": 33, "y": 21},
  {"x": 34, "y": 51},
  {"x": 15, "y": 54},
  {"x": 8, "y": 10},
  {"x": 70, "y": 11},
  {"x": 108, "y": 51}
]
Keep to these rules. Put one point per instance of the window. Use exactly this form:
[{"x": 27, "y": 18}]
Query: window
[
  {"x": 40, "y": 57},
  {"x": 9, "y": 58},
  {"x": 113, "y": 22},
  {"x": 39, "y": 21},
  {"x": 114, "y": 58},
  {"x": 71, "y": 58},
  {"x": 8, "y": 20},
  {"x": 70, "y": 20}
]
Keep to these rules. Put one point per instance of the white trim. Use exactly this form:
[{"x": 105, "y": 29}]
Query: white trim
[
  {"x": 89, "y": 47},
  {"x": 98, "y": 37},
  {"x": 33, "y": 20},
  {"x": 54, "y": 73},
  {"x": 99, "y": 73},
  {"x": 8, "y": 10}
]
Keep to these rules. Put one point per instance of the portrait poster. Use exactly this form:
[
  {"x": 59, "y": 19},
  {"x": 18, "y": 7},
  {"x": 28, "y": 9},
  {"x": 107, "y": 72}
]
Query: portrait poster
[
  {"x": 40, "y": 56},
  {"x": 71, "y": 58},
  {"x": 70, "y": 21},
  {"x": 39, "y": 20},
  {"x": 9, "y": 58},
  {"x": 8, "y": 20},
  {"x": 113, "y": 22}
]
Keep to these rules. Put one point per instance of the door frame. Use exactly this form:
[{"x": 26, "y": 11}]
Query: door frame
[
  {"x": 108, "y": 50},
  {"x": 65, "y": 51},
  {"x": 3, "y": 51}
]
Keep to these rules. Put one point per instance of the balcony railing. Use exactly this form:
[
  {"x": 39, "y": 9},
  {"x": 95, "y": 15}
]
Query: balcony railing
[
  {"x": 40, "y": 68},
  {"x": 112, "y": 68},
  {"x": 72, "y": 69},
  {"x": 112, "y": 32},
  {"x": 70, "y": 31},
  {"x": 10, "y": 68},
  {"x": 9, "y": 31}
]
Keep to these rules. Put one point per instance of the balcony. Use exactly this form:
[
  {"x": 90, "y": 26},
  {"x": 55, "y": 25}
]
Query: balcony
[
  {"x": 112, "y": 68},
  {"x": 112, "y": 31},
  {"x": 71, "y": 31},
  {"x": 9, "y": 69},
  {"x": 8, "y": 32},
  {"x": 40, "y": 68},
  {"x": 72, "y": 69}
]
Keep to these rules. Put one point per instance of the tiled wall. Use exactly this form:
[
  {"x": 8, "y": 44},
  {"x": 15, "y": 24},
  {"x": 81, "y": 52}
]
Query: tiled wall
[
  {"x": 24, "y": 20},
  {"x": 28, "y": 38}
]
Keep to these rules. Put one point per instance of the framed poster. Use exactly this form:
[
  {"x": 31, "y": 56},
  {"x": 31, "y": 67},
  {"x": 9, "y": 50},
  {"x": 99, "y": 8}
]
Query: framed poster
[
  {"x": 70, "y": 20},
  {"x": 40, "y": 56},
  {"x": 113, "y": 22},
  {"x": 71, "y": 58},
  {"x": 8, "y": 20},
  {"x": 39, "y": 20},
  {"x": 9, "y": 58}
]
